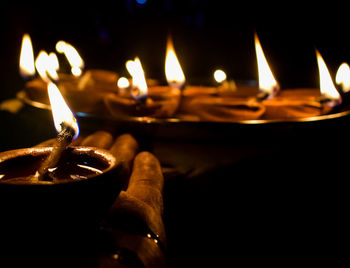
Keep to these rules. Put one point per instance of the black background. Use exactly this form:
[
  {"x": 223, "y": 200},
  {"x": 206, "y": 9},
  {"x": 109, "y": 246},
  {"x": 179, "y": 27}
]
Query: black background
[{"x": 207, "y": 35}]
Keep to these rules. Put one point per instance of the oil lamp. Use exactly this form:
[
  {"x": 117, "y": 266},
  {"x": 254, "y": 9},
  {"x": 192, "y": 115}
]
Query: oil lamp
[{"x": 59, "y": 190}]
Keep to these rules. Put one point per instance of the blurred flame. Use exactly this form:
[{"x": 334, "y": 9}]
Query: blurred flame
[
  {"x": 72, "y": 55},
  {"x": 47, "y": 65},
  {"x": 140, "y": 89},
  {"x": 60, "y": 111},
  {"x": 327, "y": 87},
  {"x": 267, "y": 82},
  {"x": 26, "y": 59},
  {"x": 219, "y": 76},
  {"x": 173, "y": 71},
  {"x": 343, "y": 77},
  {"x": 123, "y": 82}
]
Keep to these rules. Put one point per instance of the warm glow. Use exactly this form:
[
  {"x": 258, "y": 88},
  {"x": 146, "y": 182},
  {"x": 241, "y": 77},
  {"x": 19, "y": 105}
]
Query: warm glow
[
  {"x": 26, "y": 59},
  {"x": 72, "y": 55},
  {"x": 123, "y": 82},
  {"x": 327, "y": 87},
  {"x": 342, "y": 77},
  {"x": 173, "y": 71},
  {"x": 219, "y": 76},
  {"x": 47, "y": 65},
  {"x": 140, "y": 89},
  {"x": 60, "y": 110},
  {"x": 267, "y": 82}
]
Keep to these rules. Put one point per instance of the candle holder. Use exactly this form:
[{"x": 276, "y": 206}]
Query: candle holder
[
  {"x": 161, "y": 102},
  {"x": 85, "y": 93},
  {"x": 85, "y": 183}
]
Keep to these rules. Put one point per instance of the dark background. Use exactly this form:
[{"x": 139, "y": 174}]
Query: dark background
[{"x": 207, "y": 35}]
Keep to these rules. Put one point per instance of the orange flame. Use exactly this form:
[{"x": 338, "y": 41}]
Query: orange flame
[
  {"x": 26, "y": 58},
  {"x": 60, "y": 111},
  {"x": 173, "y": 70},
  {"x": 327, "y": 87},
  {"x": 267, "y": 82}
]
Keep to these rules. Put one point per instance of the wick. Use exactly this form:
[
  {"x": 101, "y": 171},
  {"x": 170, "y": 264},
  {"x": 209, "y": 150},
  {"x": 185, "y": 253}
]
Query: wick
[{"x": 64, "y": 138}]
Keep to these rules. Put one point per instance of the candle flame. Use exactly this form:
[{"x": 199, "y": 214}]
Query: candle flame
[
  {"x": 342, "y": 77},
  {"x": 123, "y": 83},
  {"x": 140, "y": 89},
  {"x": 61, "y": 113},
  {"x": 26, "y": 59},
  {"x": 327, "y": 87},
  {"x": 173, "y": 70},
  {"x": 47, "y": 64},
  {"x": 73, "y": 57},
  {"x": 267, "y": 82},
  {"x": 219, "y": 76}
]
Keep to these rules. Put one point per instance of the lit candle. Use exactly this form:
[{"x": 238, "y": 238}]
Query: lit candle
[
  {"x": 268, "y": 85},
  {"x": 328, "y": 91},
  {"x": 26, "y": 60},
  {"x": 73, "y": 57},
  {"x": 173, "y": 70},
  {"x": 342, "y": 77},
  {"x": 66, "y": 126}
]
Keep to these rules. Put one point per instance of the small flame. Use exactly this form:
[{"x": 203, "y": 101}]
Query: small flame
[
  {"x": 219, "y": 76},
  {"x": 47, "y": 65},
  {"x": 327, "y": 87},
  {"x": 60, "y": 110},
  {"x": 26, "y": 59},
  {"x": 73, "y": 57},
  {"x": 267, "y": 82},
  {"x": 173, "y": 71},
  {"x": 342, "y": 77},
  {"x": 123, "y": 83},
  {"x": 140, "y": 89}
]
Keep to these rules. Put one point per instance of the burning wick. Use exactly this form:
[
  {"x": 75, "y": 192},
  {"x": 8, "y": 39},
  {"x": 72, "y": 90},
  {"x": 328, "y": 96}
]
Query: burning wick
[
  {"x": 64, "y": 138},
  {"x": 67, "y": 127},
  {"x": 267, "y": 83}
]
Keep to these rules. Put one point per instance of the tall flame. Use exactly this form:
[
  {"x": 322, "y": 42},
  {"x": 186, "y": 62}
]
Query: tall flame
[
  {"x": 26, "y": 58},
  {"x": 138, "y": 78},
  {"x": 267, "y": 82},
  {"x": 73, "y": 57},
  {"x": 327, "y": 87},
  {"x": 61, "y": 113},
  {"x": 173, "y": 70},
  {"x": 342, "y": 77}
]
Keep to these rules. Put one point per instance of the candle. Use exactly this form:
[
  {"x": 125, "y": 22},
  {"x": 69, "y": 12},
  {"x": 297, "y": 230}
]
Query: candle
[{"x": 154, "y": 101}]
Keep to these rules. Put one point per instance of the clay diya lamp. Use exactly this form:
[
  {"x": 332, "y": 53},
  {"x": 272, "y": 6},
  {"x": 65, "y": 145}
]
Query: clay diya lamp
[
  {"x": 139, "y": 100},
  {"x": 304, "y": 102}
]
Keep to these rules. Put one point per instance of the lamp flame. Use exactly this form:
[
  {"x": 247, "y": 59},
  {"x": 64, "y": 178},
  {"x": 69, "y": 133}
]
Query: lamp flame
[
  {"x": 342, "y": 77},
  {"x": 140, "y": 89},
  {"x": 47, "y": 64},
  {"x": 73, "y": 57},
  {"x": 219, "y": 76},
  {"x": 26, "y": 59},
  {"x": 61, "y": 113},
  {"x": 327, "y": 87},
  {"x": 173, "y": 71},
  {"x": 267, "y": 82}
]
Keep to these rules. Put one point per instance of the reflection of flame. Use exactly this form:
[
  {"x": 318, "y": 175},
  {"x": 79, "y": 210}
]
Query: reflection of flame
[
  {"x": 73, "y": 57},
  {"x": 327, "y": 87},
  {"x": 140, "y": 89},
  {"x": 219, "y": 76},
  {"x": 267, "y": 82},
  {"x": 47, "y": 64},
  {"x": 173, "y": 71},
  {"x": 61, "y": 113},
  {"x": 343, "y": 77},
  {"x": 26, "y": 59}
]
